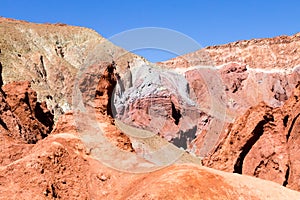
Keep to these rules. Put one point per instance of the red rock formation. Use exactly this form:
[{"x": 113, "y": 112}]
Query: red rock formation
[
  {"x": 104, "y": 91},
  {"x": 22, "y": 120},
  {"x": 263, "y": 143},
  {"x": 35, "y": 118},
  {"x": 59, "y": 166},
  {"x": 259, "y": 70}
]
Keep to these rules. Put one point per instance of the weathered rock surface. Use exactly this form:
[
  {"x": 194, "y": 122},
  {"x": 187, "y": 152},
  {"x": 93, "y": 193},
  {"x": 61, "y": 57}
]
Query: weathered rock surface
[
  {"x": 263, "y": 143},
  {"x": 60, "y": 167},
  {"x": 35, "y": 118},
  {"x": 23, "y": 121},
  {"x": 268, "y": 53},
  {"x": 254, "y": 138},
  {"x": 50, "y": 56},
  {"x": 158, "y": 101}
]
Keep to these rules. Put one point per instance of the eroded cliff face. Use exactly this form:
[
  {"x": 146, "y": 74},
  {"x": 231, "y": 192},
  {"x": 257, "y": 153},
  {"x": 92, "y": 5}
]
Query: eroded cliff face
[
  {"x": 23, "y": 121},
  {"x": 36, "y": 119},
  {"x": 258, "y": 79},
  {"x": 50, "y": 56},
  {"x": 23, "y": 116},
  {"x": 262, "y": 143},
  {"x": 60, "y": 166},
  {"x": 268, "y": 53}
]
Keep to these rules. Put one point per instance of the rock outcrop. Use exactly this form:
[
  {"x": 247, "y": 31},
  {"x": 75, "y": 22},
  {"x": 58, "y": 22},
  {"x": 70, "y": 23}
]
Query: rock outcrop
[
  {"x": 50, "y": 57},
  {"x": 258, "y": 78},
  {"x": 23, "y": 121},
  {"x": 267, "y": 53},
  {"x": 263, "y": 143},
  {"x": 22, "y": 115},
  {"x": 35, "y": 118}
]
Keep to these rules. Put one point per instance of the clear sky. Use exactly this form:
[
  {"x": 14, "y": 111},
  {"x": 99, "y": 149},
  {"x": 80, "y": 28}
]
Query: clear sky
[{"x": 209, "y": 22}]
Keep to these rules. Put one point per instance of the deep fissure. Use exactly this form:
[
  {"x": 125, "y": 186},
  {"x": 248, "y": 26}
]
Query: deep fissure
[
  {"x": 256, "y": 134},
  {"x": 291, "y": 127},
  {"x": 175, "y": 114},
  {"x": 287, "y": 174}
]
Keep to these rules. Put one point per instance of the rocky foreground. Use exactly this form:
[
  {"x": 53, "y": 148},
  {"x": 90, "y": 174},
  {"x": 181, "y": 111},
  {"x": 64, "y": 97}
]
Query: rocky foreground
[{"x": 54, "y": 75}]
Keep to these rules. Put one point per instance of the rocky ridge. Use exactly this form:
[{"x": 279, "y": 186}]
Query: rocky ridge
[{"x": 49, "y": 56}]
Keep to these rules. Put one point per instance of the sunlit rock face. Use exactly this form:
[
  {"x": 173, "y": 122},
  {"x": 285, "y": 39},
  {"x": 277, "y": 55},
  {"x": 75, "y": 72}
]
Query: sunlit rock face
[
  {"x": 158, "y": 100},
  {"x": 50, "y": 56},
  {"x": 260, "y": 80}
]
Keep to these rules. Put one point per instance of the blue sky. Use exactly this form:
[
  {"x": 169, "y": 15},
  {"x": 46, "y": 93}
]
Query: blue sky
[{"x": 208, "y": 22}]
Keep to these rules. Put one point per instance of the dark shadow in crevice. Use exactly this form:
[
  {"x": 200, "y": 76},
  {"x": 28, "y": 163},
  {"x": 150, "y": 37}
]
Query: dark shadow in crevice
[
  {"x": 256, "y": 134},
  {"x": 291, "y": 127},
  {"x": 287, "y": 175},
  {"x": 176, "y": 115}
]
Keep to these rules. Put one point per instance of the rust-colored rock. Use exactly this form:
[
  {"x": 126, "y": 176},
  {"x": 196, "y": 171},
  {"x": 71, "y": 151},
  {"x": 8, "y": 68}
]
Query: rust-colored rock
[
  {"x": 262, "y": 143},
  {"x": 35, "y": 118}
]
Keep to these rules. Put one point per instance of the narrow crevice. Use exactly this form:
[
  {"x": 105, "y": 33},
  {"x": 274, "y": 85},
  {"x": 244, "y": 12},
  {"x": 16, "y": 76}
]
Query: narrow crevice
[
  {"x": 53, "y": 191},
  {"x": 26, "y": 100},
  {"x": 43, "y": 73},
  {"x": 20, "y": 128},
  {"x": 111, "y": 109},
  {"x": 291, "y": 127},
  {"x": 285, "y": 120},
  {"x": 176, "y": 115},
  {"x": 256, "y": 134},
  {"x": 1, "y": 80},
  {"x": 257, "y": 168},
  {"x": 262, "y": 163},
  {"x": 3, "y": 124},
  {"x": 287, "y": 175},
  {"x": 46, "y": 118}
]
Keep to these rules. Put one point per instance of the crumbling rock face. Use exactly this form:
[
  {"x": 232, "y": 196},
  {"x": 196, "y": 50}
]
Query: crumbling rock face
[
  {"x": 260, "y": 143},
  {"x": 158, "y": 101},
  {"x": 233, "y": 75},
  {"x": 96, "y": 85},
  {"x": 104, "y": 91},
  {"x": 52, "y": 60},
  {"x": 23, "y": 121},
  {"x": 10, "y": 124},
  {"x": 268, "y": 53},
  {"x": 35, "y": 118}
]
